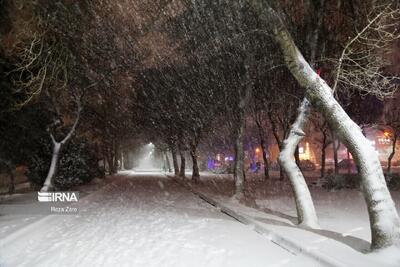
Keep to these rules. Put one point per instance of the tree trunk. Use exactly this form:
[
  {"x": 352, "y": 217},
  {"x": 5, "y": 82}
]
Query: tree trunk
[
  {"x": 57, "y": 146},
  {"x": 48, "y": 183},
  {"x": 306, "y": 213},
  {"x": 278, "y": 141},
  {"x": 122, "y": 161},
  {"x": 239, "y": 170},
  {"x": 183, "y": 164},
  {"x": 335, "y": 146},
  {"x": 263, "y": 149},
  {"x": 196, "y": 171},
  {"x": 389, "y": 166},
  {"x": 175, "y": 161},
  {"x": 11, "y": 187},
  {"x": 167, "y": 161},
  {"x": 323, "y": 155},
  {"x": 115, "y": 157},
  {"x": 384, "y": 220}
]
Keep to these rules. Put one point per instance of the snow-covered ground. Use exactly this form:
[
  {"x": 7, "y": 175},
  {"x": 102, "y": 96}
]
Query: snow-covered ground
[
  {"x": 143, "y": 220},
  {"x": 342, "y": 214}
]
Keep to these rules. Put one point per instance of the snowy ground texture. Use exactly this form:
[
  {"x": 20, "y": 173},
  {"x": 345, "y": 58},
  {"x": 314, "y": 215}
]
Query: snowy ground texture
[
  {"x": 344, "y": 235},
  {"x": 143, "y": 220}
]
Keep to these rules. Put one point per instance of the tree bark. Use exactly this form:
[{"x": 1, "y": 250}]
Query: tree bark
[
  {"x": 48, "y": 183},
  {"x": 183, "y": 164},
  {"x": 278, "y": 142},
  {"x": 196, "y": 171},
  {"x": 175, "y": 160},
  {"x": 263, "y": 146},
  {"x": 384, "y": 220},
  {"x": 11, "y": 187},
  {"x": 122, "y": 161},
  {"x": 238, "y": 171},
  {"x": 167, "y": 161},
  {"x": 306, "y": 213},
  {"x": 335, "y": 146},
  {"x": 389, "y": 166},
  {"x": 323, "y": 155}
]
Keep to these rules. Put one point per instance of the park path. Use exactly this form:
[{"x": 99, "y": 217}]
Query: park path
[{"x": 144, "y": 220}]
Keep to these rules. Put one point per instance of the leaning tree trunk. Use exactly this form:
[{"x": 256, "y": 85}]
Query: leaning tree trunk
[
  {"x": 384, "y": 220},
  {"x": 306, "y": 213},
  {"x": 389, "y": 166},
  {"x": 183, "y": 165},
  {"x": 196, "y": 171}
]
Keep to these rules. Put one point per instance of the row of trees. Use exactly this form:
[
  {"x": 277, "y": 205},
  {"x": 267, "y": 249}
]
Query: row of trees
[{"x": 171, "y": 70}]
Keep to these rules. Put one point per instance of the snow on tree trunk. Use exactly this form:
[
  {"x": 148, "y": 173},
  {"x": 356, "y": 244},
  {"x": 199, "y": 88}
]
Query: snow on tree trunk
[
  {"x": 183, "y": 165},
  {"x": 48, "y": 183},
  {"x": 306, "y": 214},
  {"x": 196, "y": 172},
  {"x": 384, "y": 220},
  {"x": 57, "y": 146}
]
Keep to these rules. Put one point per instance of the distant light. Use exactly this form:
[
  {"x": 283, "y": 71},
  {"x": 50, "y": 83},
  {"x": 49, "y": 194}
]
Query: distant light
[
  {"x": 387, "y": 134},
  {"x": 258, "y": 150}
]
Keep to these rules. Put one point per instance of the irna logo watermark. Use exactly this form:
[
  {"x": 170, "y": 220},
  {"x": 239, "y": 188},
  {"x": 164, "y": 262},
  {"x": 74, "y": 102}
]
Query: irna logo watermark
[{"x": 58, "y": 196}]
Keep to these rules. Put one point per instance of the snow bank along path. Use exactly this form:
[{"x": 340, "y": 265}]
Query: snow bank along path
[{"x": 145, "y": 220}]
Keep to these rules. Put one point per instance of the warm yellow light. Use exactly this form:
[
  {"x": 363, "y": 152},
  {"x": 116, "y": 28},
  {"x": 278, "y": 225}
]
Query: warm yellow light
[
  {"x": 386, "y": 134},
  {"x": 257, "y": 150}
]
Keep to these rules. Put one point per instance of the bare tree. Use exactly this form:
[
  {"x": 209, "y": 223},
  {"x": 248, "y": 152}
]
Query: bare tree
[{"x": 384, "y": 220}]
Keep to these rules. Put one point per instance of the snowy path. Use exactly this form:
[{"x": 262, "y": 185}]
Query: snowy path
[{"x": 144, "y": 220}]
